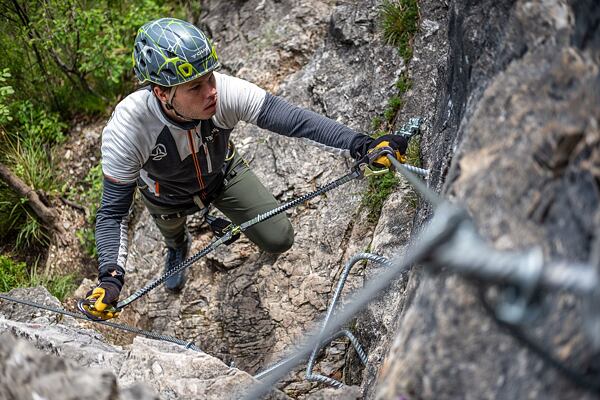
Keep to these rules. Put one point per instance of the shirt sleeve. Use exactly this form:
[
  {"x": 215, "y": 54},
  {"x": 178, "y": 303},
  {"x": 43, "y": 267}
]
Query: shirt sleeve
[
  {"x": 279, "y": 116},
  {"x": 112, "y": 225}
]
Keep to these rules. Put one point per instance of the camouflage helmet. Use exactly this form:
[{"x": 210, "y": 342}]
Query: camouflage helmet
[{"x": 169, "y": 52}]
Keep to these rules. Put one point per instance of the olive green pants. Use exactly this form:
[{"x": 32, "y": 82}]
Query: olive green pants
[{"x": 242, "y": 198}]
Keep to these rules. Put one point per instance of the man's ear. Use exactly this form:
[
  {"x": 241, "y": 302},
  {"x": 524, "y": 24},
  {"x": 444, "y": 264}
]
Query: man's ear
[{"x": 160, "y": 93}]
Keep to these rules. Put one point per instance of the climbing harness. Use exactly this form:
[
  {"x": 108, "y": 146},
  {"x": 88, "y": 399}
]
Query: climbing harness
[{"x": 231, "y": 232}]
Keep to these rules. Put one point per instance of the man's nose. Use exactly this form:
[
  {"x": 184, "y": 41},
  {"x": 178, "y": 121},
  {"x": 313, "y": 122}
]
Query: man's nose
[{"x": 212, "y": 90}]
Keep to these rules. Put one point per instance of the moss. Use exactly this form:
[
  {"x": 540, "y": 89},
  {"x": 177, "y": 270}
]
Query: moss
[{"x": 378, "y": 190}]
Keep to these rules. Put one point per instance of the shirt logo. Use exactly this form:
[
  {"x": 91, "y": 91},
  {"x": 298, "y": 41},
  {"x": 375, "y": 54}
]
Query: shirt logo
[{"x": 158, "y": 152}]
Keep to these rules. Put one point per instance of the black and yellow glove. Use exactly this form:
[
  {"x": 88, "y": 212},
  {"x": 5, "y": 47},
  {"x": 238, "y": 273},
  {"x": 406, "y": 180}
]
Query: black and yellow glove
[
  {"x": 362, "y": 146},
  {"x": 102, "y": 299},
  {"x": 105, "y": 295},
  {"x": 100, "y": 302},
  {"x": 398, "y": 144}
]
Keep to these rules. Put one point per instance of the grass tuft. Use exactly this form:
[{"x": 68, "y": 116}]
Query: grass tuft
[
  {"x": 399, "y": 20},
  {"x": 378, "y": 190},
  {"x": 14, "y": 274},
  {"x": 90, "y": 194}
]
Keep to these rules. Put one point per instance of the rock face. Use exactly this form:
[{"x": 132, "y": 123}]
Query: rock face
[
  {"x": 61, "y": 359},
  {"x": 518, "y": 110},
  {"x": 327, "y": 58},
  {"x": 509, "y": 91}
]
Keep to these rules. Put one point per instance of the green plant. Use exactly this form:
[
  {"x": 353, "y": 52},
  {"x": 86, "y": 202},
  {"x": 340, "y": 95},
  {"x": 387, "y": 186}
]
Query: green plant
[
  {"x": 413, "y": 152},
  {"x": 31, "y": 232},
  {"x": 59, "y": 286},
  {"x": 28, "y": 158},
  {"x": 73, "y": 55},
  {"x": 403, "y": 84},
  {"x": 5, "y": 92},
  {"x": 91, "y": 195},
  {"x": 376, "y": 123},
  {"x": 27, "y": 152},
  {"x": 378, "y": 190},
  {"x": 38, "y": 124},
  {"x": 15, "y": 274},
  {"x": 394, "y": 104},
  {"x": 399, "y": 22},
  {"x": 12, "y": 274},
  {"x": 87, "y": 239}
]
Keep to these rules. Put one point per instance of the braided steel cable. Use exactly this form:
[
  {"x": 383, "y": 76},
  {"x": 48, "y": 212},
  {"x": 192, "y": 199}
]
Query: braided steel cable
[
  {"x": 137, "y": 331},
  {"x": 416, "y": 170},
  {"x": 325, "y": 379},
  {"x": 292, "y": 361},
  {"x": 450, "y": 243},
  {"x": 293, "y": 203},
  {"x": 420, "y": 251},
  {"x": 355, "y": 343},
  {"x": 231, "y": 233},
  {"x": 183, "y": 265}
]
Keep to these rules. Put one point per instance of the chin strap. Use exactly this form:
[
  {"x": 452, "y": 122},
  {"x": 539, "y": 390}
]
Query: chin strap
[{"x": 169, "y": 104}]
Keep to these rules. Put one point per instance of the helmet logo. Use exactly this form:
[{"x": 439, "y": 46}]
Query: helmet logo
[
  {"x": 202, "y": 52},
  {"x": 185, "y": 69},
  {"x": 158, "y": 152}
]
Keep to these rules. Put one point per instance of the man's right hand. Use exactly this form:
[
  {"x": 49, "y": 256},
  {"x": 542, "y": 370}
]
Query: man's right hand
[{"x": 104, "y": 295}]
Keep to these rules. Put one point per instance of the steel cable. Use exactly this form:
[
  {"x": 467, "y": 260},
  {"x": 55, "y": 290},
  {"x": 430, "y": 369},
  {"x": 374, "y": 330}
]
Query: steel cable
[
  {"x": 137, "y": 331},
  {"x": 355, "y": 343},
  {"x": 230, "y": 233}
]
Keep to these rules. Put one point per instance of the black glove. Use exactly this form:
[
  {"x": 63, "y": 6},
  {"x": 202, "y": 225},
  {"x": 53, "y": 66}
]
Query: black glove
[
  {"x": 363, "y": 145},
  {"x": 111, "y": 280},
  {"x": 104, "y": 295}
]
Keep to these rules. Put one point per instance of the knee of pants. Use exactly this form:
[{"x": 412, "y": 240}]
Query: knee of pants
[{"x": 280, "y": 240}]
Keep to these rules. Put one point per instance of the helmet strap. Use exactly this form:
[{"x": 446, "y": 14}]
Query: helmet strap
[{"x": 169, "y": 104}]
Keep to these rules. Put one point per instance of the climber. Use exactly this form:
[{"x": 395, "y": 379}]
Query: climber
[{"x": 170, "y": 140}]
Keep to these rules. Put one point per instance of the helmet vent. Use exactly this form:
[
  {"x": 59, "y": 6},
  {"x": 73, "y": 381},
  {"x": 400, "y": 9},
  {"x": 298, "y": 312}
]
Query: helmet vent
[{"x": 168, "y": 73}]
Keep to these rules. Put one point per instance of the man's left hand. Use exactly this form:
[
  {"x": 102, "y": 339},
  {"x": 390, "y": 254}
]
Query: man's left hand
[{"x": 397, "y": 143}]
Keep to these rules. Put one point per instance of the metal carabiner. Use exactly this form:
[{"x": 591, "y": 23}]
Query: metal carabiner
[{"x": 86, "y": 307}]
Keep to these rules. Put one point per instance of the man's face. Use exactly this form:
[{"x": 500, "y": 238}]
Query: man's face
[{"x": 196, "y": 99}]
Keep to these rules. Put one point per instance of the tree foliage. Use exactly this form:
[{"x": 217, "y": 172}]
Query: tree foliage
[
  {"x": 61, "y": 58},
  {"x": 73, "y": 55}
]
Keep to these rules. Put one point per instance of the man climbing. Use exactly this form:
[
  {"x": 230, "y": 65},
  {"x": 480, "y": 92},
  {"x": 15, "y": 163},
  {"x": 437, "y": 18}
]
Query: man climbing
[{"x": 170, "y": 140}]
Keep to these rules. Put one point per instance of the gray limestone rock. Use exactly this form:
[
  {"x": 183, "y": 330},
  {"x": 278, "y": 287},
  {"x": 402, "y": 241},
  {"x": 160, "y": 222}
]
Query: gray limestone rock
[
  {"x": 28, "y": 373},
  {"x": 252, "y": 313},
  {"x": 69, "y": 362},
  {"x": 508, "y": 92},
  {"x": 519, "y": 115}
]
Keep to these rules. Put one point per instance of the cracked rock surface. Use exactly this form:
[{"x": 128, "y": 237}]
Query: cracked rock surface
[
  {"x": 64, "y": 359},
  {"x": 515, "y": 140},
  {"x": 251, "y": 314}
]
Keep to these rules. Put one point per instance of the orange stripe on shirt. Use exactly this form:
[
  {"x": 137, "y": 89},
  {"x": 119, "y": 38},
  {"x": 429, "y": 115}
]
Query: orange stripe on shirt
[{"x": 196, "y": 163}]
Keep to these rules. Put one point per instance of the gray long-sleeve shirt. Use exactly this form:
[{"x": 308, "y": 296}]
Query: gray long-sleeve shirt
[{"x": 171, "y": 162}]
